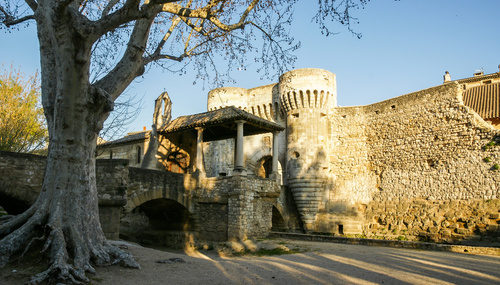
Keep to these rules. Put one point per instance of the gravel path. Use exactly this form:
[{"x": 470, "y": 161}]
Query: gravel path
[{"x": 321, "y": 263}]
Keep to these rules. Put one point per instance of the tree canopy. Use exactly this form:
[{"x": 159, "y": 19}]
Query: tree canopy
[{"x": 22, "y": 123}]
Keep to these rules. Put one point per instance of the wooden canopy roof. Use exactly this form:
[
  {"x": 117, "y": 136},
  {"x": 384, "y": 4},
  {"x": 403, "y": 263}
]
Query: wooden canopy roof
[{"x": 220, "y": 124}]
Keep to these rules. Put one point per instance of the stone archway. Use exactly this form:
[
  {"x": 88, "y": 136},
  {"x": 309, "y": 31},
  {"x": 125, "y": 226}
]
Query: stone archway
[
  {"x": 260, "y": 163},
  {"x": 264, "y": 167},
  {"x": 160, "y": 222}
]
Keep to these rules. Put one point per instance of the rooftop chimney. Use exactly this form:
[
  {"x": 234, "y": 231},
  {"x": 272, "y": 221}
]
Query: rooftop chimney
[
  {"x": 478, "y": 73},
  {"x": 144, "y": 128},
  {"x": 446, "y": 77}
]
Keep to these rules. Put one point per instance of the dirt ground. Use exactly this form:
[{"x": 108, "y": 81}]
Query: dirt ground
[{"x": 317, "y": 263}]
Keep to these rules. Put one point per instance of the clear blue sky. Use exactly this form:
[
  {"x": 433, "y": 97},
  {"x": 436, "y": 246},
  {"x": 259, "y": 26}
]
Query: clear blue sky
[{"x": 406, "y": 46}]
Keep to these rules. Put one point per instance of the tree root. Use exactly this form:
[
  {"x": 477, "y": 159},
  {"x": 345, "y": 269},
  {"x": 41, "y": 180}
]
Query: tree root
[
  {"x": 69, "y": 253},
  {"x": 16, "y": 240},
  {"x": 122, "y": 257},
  {"x": 16, "y": 221}
]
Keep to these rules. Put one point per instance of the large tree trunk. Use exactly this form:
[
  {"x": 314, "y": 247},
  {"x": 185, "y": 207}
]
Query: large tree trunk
[{"x": 65, "y": 215}]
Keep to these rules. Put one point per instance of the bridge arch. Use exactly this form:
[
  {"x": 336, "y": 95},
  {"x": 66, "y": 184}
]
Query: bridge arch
[
  {"x": 161, "y": 221},
  {"x": 13, "y": 205},
  {"x": 136, "y": 200},
  {"x": 167, "y": 214},
  {"x": 145, "y": 185}
]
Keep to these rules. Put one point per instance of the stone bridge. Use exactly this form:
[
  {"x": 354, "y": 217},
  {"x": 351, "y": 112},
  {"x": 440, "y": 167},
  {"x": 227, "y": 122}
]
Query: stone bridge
[{"x": 215, "y": 209}]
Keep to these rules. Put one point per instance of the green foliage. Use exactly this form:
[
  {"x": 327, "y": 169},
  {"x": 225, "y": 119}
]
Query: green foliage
[
  {"x": 22, "y": 122},
  {"x": 491, "y": 146}
]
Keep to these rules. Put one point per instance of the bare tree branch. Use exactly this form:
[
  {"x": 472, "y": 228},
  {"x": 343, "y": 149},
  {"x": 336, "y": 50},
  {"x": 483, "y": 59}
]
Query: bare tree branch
[
  {"x": 131, "y": 64},
  {"x": 206, "y": 13},
  {"x": 110, "y": 6},
  {"x": 167, "y": 35},
  {"x": 32, "y": 4},
  {"x": 9, "y": 21},
  {"x": 130, "y": 11}
]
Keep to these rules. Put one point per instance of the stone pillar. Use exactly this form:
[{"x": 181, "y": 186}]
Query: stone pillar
[
  {"x": 239, "y": 164},
  {"x": 199, "y": 151},
  {"x": 274, "y": 164},
  {"x": 240, "y": 209}
]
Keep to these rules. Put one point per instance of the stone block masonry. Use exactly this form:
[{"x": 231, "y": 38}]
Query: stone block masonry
[
  {"x": 450, "y": 221},
  {"x": 21, "y": 177},
  {"x": 346, "y": 166},
  {"x": 414, "y": 167},
  {"x": 179, "y": 207}
]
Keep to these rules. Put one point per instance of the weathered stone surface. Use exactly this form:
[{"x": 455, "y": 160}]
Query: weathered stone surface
[
  {"x": 400, "y": 167},
  {"x": 419, "y": 166},
  {"x": 232, "y": 207},
  {"x": 446, "y": 224}
]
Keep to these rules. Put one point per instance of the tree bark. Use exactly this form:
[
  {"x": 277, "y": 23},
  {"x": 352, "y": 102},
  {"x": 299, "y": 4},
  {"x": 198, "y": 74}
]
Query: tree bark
[{"x": 65, "y": 215}]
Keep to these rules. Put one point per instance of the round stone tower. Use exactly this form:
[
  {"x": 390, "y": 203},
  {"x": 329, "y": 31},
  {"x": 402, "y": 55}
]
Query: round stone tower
[
  {"x": 227, "y": 96},
  {"x": 306, "y": 96}
]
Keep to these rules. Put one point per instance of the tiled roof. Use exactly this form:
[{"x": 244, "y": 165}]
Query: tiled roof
[
  {"x": 128, "y": 138},
  {"x": 484, "y": 99},
  {"x": 220, "y": 116},
  {"x": 478, "y": 78}
]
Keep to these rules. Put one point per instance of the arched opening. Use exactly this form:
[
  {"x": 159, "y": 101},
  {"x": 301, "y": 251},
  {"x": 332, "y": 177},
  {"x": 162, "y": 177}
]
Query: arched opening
[
  {"x": 159, "y": 222},
  {"x": 12, "y": 206},
  {"x": 264, "y": 167},
  {"x": 278, "y": 223}
]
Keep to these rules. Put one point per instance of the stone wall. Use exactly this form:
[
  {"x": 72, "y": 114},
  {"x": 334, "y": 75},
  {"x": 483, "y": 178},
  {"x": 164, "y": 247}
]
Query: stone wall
[
  {"x": 235, "y": 207},
  {"x": 250, "y": 202},
  {"x": 212, "y": 221},
  {"x": 21, "y": 177},
  {"x": 432, "y": 160},
  {"x": 230, "y": 207},
  {"x": 133, "y": 151},
  {"x": 399, "y": 167},
  {"x": 345, "y": 165},
  {"x": 432, "y": 146},
  {"x": 147, "y": 184},
  {"x": 451, "y": 221}
]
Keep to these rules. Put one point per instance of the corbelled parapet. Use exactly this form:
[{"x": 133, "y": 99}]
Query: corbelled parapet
[
  {"x": 306, "y": 96},
  {"x": 227, "y": 96},
  {"x": 308, "y": 88}
]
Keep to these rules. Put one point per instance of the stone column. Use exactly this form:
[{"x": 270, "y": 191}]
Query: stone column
[
  {"x": 239, "y": 164},
  {"x": 199, "y": 151},
  {"x": 274, "y": 164}
]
